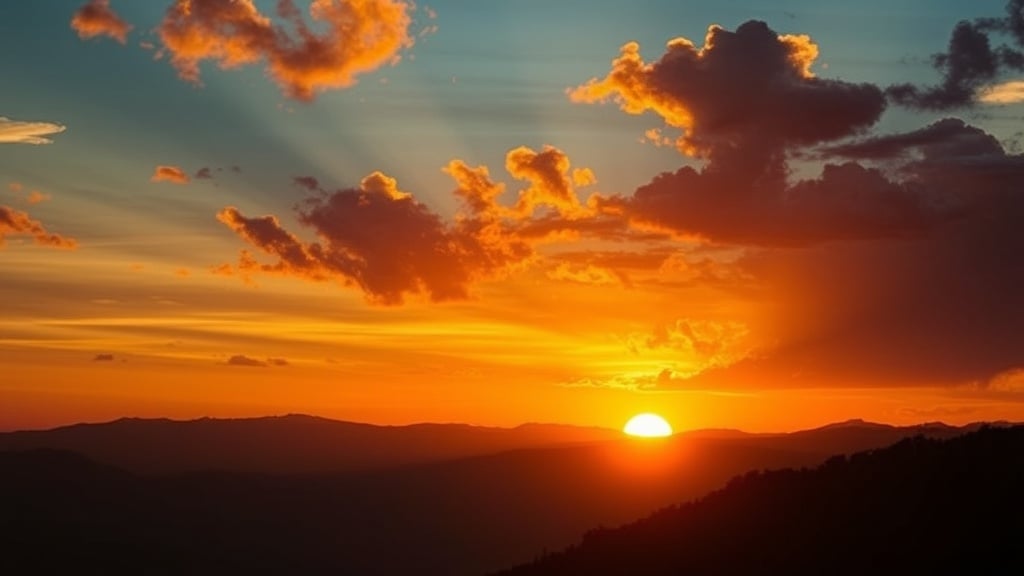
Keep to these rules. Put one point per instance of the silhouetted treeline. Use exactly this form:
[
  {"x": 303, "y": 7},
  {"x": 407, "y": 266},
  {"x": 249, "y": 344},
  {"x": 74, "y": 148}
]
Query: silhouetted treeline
[{"x": 921, "y": 506}]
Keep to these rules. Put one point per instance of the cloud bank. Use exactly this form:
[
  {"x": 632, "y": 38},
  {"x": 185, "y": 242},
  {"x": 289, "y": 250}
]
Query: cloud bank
[{"x": 895, "y": 265}]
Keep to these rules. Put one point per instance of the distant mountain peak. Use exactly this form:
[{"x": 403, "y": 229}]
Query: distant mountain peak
[{"x": 856, "y": 423}]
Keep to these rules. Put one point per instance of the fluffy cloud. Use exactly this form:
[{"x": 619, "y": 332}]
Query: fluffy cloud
[
  {"x": 172, "y": 174},
  {"x": 17, "y": 223},
  {"x": 746, "y": 101},
  {"x": 548, "y": 173},
  {"x": 897, "y": 264},
  {"x": 96, "y": 18},
  {"x": 381, "y": 240},
  {"x": 742, "y": 89},
  {"x": 359, "y": 36},
  {"x": 15, "y": 132}
]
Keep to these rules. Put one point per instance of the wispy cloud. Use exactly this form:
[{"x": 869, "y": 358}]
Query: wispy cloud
[
  {"x": 1009, "y": 92},
  {"x": 18, "y": 132}
]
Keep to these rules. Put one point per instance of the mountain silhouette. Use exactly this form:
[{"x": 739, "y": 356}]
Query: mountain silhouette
[
  {"x": 440, "y": 517},
  {"x": 921, "y": 506},
  {"x": 292, "y": 444}
]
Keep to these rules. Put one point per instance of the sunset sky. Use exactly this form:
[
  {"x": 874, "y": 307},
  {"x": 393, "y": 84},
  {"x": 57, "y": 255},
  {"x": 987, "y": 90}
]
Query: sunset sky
[{"x": 757, "y": 215}]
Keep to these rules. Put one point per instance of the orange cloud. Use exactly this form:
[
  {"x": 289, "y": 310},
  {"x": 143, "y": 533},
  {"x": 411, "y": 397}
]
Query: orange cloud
[
  {"x": 476, "y": 188},
  {"x": 380, "y": 239},
  {"x": 96, "y": 18},
  {"x": 37, "y": 197},
  {"x": 172, "y": 174},
  {"x": 15, "y": 222},
  {"x": 548, "y": 174},
  {"x": 360, "y": 36}
]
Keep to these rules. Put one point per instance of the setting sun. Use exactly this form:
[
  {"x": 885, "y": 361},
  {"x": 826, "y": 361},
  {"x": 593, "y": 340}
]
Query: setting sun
[{"x": 648, "y": 425}]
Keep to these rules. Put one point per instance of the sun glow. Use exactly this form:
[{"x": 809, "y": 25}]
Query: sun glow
[{"x": 648, "y": 425}]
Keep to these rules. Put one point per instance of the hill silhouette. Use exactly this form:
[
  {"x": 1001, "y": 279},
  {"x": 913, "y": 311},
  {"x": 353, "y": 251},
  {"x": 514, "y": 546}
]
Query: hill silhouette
[
  {"x": 458, "y": 516},
  {"x": 921, "y": 506},
  {"x": 301, "y": 444},
  {"x": 292, "y": 444}
]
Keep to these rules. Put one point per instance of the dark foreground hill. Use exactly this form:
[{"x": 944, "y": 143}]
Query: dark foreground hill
[
  {"x": 922, "y": 506},
  {"x": 62, "y": 512}
]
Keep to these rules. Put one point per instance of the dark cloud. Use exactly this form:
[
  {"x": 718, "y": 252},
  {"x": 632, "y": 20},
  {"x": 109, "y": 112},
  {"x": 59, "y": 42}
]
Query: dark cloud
[
  {"x": 240, "y": 360},
  {"x": 745, "y": 96},
  {"x": 946, "y": 138},
  {"x": 307, "y": 182},
  {"x": 847, "y": 201},
  {"x": 1012, "y": 23},
  {"x": 103, "y": 358},
  {"x": 746, "y": 100},
  {"x": 969, "y": 62},
  {"x": 897, "y": 264},
  {"x": 383, "y": 241},
  {"x": 937, "y": 301},
  {"x": 204, "y": 173}
]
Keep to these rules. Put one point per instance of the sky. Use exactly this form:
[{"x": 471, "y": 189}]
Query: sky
[{"x": 755, "y": 215}]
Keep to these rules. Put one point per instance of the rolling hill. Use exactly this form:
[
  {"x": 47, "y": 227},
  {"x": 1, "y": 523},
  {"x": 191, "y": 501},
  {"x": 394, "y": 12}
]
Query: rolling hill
[
  {"x": 442, "y": 515},
  {"x": 921, "y": 506}
]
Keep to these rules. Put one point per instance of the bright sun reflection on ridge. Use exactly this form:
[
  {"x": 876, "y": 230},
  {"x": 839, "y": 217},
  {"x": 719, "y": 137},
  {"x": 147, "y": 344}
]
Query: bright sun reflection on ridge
[{"x": 648, "y": 425}]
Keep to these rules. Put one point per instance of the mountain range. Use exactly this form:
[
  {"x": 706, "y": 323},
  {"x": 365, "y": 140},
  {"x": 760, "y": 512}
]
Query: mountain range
[{"x": 307, "y": 495}]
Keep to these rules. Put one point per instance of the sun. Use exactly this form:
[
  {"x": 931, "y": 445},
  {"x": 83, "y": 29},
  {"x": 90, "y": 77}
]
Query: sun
[{"x": 648, "y": 425}]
